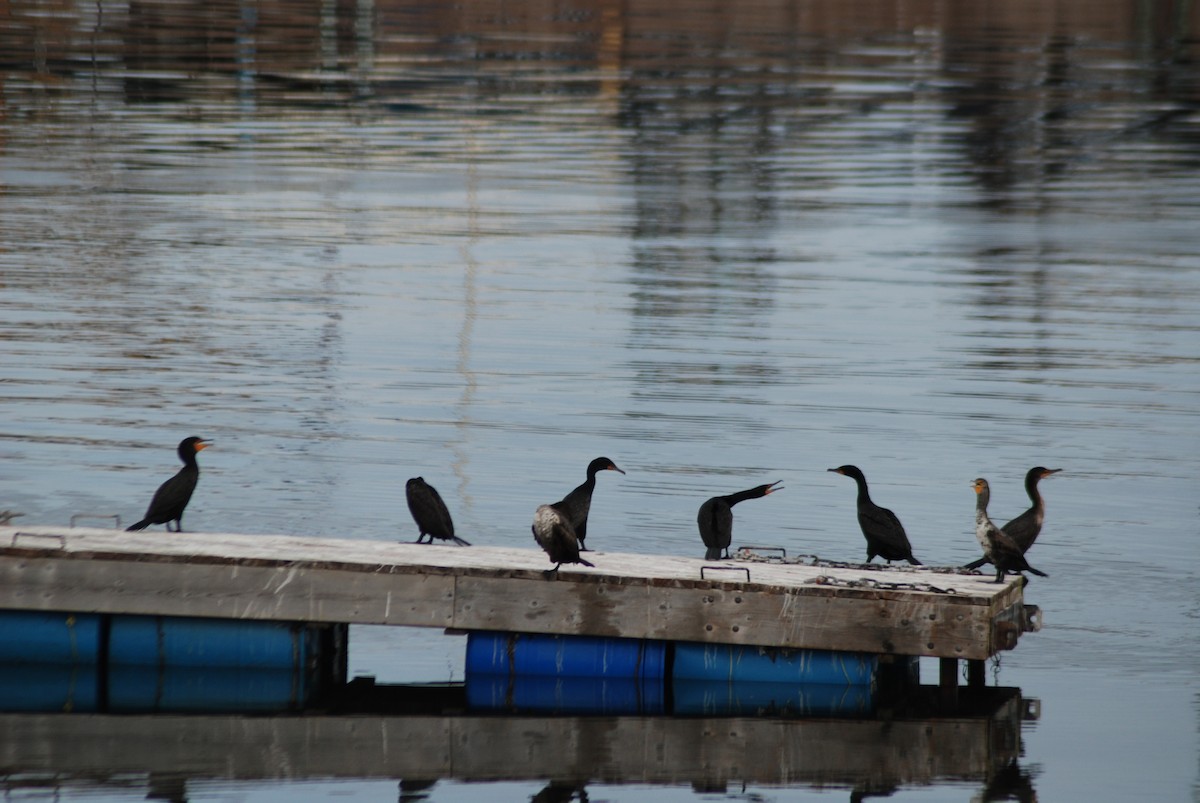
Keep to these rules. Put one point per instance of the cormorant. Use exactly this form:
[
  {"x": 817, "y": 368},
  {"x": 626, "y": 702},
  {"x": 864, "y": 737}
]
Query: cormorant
[
  {"x": 429, "y": 512},
  {"x": 577, "y": 503},
  {"x": 554, "y": 533},
  {"x": 1000, "y": 550},
  {"x": 1024, "y": 529},
  {"x": 884, "y": 533},
  {"x": 716, "y": 519},
  {"x": 172, "y": 496}
]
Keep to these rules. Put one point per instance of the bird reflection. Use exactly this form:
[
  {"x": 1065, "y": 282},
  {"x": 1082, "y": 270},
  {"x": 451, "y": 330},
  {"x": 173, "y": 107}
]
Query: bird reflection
[
  {"x": 561, "y": 792},
  {"x": 1010, "y": 783},
  {"x": 167, "y": 787},
  {"x": 412, "y": 789}
]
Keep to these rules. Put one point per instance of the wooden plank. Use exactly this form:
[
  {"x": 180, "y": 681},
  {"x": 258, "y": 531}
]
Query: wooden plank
[
  {"x": 787, "y": 618},
  {"x": 281, "y": 593},
  {"x": 495, "y": 588},
  {"x": 666, "y": 750}
]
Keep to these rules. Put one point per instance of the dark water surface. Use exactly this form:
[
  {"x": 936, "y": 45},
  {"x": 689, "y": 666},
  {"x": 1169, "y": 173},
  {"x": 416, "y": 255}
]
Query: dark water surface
[{"x": 720, "y": 243}]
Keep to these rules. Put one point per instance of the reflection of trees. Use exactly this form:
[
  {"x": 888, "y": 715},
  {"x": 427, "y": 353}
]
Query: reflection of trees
[
  {"x": 704, "y": 178},
  {"x": 1020, "y": 74},
  {"x": 1047, "y": 94}
]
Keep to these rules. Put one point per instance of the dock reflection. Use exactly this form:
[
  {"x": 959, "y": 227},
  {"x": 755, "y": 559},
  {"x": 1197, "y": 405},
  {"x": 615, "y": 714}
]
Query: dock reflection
[{"x": 364, "y": 736}]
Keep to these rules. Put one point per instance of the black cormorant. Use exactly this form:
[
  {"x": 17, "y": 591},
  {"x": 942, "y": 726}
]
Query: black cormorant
[
  {"x": 577, "y": 503},
  {"x": 716, "y": 519},
  {"x": 884, "y": 533},
  {"x": 173, "y": 496},
  {"x": 429, "y": 512}
]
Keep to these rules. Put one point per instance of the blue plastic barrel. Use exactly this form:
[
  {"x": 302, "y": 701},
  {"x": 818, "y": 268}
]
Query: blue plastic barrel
[
  {"x": 755, "y": 698},
  {"x": 148, "y": 689},
  {"x": 50, "y": 687},
  {"x": 47, "y": 637},
  {"x": 564, "y": 695},
  {"x": 210, "y": 643},
  {"x": 537, "y": 655},
  {"x": 728, "y": 662}
]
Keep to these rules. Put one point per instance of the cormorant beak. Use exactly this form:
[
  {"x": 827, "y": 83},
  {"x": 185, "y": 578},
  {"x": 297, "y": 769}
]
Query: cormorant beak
[
  {"x": 772, "y": 489},
  {"x": 834, "y": 470},
  {"x": 1050, "y": 471},
  {"x": 202, "y": 445},
  {"x": 613, "y": 467}
]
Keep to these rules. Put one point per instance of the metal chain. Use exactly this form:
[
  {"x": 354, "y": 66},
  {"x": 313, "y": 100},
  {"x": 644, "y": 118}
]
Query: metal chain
[
  {"x": 751, "y": 555},
  {"x": 879, "y": 585}
]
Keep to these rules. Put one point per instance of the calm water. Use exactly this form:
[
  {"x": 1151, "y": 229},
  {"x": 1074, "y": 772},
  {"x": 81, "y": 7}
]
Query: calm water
[{"x": 722, "y": 244}]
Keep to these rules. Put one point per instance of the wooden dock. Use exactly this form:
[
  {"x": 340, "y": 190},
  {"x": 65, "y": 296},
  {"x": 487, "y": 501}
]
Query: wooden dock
[{"x": 913, "y": 612}]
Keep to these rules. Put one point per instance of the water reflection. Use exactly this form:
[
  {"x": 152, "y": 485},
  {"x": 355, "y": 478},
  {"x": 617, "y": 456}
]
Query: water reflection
[{"x": 979, "y": 742}]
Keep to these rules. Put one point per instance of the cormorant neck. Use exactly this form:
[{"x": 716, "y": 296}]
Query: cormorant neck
[
  {"x": 742, "y": 496},
  {"x": 981, "y": 500},
  {"x": 1031, "y": 488},
  {"x": 863, "y": 494}
]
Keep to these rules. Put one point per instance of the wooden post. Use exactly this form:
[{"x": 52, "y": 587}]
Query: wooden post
[
  {"x": 948, "y": 681},
  {"x": 948, "y": 673},
  {"x": 976, "y": 673}
]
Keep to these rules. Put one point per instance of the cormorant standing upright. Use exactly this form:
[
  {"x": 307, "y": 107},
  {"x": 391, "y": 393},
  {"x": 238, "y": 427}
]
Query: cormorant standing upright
[
  {"x": 998, "y": 548},
  {"x": 172, "y": 496},
  {"x": 884, "y": 533},
  {"x": 577, "y": 503},
  {"x": 1024, "y": 529}
]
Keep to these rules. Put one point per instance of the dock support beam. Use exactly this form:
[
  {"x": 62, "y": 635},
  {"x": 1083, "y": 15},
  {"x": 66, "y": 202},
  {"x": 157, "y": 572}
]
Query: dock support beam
[
  {"x": 948, "y": 676},
  {"x": 948, "y": 681},
  {"x": 976, "y": 673},
  {"x": 948, "y": 673}
]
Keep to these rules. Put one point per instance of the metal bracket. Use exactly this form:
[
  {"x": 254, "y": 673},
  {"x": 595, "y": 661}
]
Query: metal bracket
[
  {"x": 726, "y": 569},
  {"x": 1031, "y": 618},
  {"x": 751, "y": 550},
  {"x": 115, "y": 518},
  {"x": 62, "y": 539}
]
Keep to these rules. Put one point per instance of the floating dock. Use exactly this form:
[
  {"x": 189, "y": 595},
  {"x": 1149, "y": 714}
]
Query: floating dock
[{"x": 914, "y": 611}]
